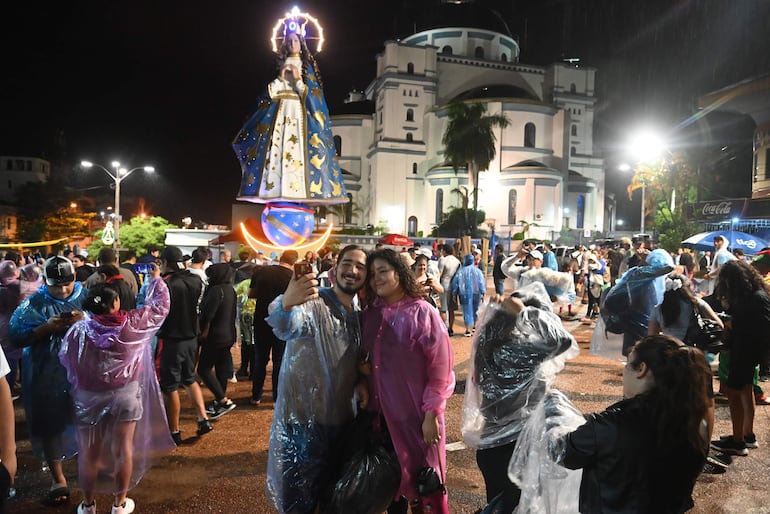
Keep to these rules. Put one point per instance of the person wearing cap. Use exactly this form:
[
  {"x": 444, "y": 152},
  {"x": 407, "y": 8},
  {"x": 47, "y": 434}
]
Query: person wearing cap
[
  {"x": 38, "y": 325},
  {"x": 721, "y": 256},
  {"x": 179, "y": 334}
]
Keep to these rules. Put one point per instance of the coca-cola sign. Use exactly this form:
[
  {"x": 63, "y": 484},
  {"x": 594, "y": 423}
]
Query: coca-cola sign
[{"x": 719, "y": 209}]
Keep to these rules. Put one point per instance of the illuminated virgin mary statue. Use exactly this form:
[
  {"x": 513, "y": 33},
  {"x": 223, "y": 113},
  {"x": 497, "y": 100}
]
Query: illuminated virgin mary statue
[{"x": 286, "y": 149}]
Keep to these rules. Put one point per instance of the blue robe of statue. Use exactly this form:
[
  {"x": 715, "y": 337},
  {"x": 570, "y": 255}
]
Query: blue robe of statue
[{"x": 286, "y": 149}]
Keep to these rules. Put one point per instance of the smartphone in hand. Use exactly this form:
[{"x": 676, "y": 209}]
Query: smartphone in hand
[{"x": 302, "y": 268}]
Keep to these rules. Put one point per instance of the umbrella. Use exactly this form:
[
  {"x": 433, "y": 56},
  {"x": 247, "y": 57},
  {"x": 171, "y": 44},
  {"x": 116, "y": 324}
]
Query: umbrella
[
  {"x": 395, "y": 240},
  {"x": 749, "y": 243}
]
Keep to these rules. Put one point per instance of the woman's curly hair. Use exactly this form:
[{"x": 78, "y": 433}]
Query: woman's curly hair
[
  {"x": 738, "y": 281},
  {"x": 406, "y": 277}
]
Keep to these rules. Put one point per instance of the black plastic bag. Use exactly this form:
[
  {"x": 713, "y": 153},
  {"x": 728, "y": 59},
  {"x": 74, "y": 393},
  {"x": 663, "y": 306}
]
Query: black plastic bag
[{"x": 370, "y": 473}]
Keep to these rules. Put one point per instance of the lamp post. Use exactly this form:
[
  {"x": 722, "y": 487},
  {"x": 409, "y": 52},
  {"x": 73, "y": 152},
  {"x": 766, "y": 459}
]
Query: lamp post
[{"x": 118, "y": 175}]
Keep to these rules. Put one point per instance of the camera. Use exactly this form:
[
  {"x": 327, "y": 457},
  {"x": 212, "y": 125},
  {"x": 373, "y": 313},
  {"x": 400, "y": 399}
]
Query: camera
[{"x": 302, "y": 268}]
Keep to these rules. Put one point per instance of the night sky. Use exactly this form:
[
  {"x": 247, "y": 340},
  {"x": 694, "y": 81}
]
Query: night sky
[{"x": 169, "y": 83}]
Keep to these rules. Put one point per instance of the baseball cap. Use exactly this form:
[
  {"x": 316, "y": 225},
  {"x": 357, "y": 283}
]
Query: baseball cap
[
  {"x": 58, "y": 271},
  {"x": 536, "y": 254},
  {"x": 172, "y": 254}
]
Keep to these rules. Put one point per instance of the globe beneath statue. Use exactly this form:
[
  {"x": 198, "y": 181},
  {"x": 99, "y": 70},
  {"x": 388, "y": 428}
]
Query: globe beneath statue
[{"x": 287, "y": 224}]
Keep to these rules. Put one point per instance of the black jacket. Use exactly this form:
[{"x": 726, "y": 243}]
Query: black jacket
[
  {"x": 185, "y": 293},
  {"x": 624, "y": 469},
  {"x": 217, "y": 318}
]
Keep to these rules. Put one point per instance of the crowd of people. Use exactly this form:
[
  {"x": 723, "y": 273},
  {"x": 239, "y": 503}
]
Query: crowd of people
[{"x": 374, "y": 344}]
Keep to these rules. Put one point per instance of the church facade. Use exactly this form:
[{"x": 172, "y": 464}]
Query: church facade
[{"x": 545, "y": 171}]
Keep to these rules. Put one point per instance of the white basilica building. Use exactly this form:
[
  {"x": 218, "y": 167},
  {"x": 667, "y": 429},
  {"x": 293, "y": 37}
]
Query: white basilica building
[{"x": 545, "y": 171}]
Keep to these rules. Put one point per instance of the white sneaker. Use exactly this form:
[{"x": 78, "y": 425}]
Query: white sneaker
[
  {"x": 87, "y": 509},
  {"x": 126, "y": 508}
]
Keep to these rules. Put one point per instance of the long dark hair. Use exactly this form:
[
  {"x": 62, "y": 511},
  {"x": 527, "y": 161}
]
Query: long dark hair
[
  {"x": 405, "y": 275},
  {"x": 304, "y": 54},
  {"x": 737, "y": 282},
  {"x": 680, "y": 397},
  {"x": 671, "y": 307}
]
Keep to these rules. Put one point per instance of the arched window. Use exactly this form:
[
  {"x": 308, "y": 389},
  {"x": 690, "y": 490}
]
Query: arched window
[
  {"x": 410, "y": 115},
  {"x": 529, "y": 135},
  {"x": 409, "y": 137},
  {"x": 573, "y": 130},
  {"x": 447, "y": 50},
  {"x": 573, "y": 151},
  {"x": 479, "y": 52},
  {"x": 414, "y": 168},
  {"x": 338, "y": 145},
  {"x": 512, "y": 207},
  {"x": 573, "y": 88},
  {"x": 504, "y": 57},
  {"x": 439, "y": 206},
  {"x": 581, "y": 210},
  {"x": 349, "y": 210},
  {"x": 410, "y": 68},
  {"x": 411, "y": 226}
]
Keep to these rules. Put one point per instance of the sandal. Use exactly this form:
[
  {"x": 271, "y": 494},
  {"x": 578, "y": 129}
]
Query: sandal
[{"x": 59, "y": 494}]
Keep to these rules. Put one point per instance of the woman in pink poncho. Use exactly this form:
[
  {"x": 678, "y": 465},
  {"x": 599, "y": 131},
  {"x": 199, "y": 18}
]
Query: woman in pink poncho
[
  {"x": 411, "y": 369},
  {"x": 120, "y": 420}
]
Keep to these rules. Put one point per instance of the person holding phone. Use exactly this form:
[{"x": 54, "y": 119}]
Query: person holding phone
[
  {"x": 119, "y": 416},
  {"x": 38, "y": 325}
]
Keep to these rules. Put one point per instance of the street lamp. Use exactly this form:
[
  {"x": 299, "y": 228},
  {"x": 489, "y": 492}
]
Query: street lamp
[{"x": 118, "y": 175}]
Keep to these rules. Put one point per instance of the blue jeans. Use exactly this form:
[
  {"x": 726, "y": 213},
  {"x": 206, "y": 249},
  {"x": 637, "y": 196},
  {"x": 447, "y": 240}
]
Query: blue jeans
[{"x": 500, "y": 285}]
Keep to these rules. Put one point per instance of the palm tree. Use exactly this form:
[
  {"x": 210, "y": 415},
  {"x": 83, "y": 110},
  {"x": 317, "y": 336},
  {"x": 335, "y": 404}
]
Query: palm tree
[
  {"x": 470, "y": 141},
  {"x": 340, "y": 210},
  {"x": 464, "y": 195}
]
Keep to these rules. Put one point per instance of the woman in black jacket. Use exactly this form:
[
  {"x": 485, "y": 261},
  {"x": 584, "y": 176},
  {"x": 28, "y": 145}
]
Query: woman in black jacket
[
  {"x": 217, "y": 323},
  {"x": 644, "y": 453}
]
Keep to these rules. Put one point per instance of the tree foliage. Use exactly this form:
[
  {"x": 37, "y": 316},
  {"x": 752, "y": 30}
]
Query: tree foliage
[
  {"x": 454, "y": 223},
  {"x": 469, "y": 141},
  {"x": 45, "y": 226},
  {"x": 138, "y": 234}
]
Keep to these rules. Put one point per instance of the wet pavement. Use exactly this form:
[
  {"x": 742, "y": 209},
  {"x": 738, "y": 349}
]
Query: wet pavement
[{"x": 224, "y": 471}]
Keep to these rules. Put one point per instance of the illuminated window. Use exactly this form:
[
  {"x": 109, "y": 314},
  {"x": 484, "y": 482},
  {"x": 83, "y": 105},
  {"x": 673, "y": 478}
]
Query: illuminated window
[
  {"x": 411, "y": 226},
  {"x": 410, "y": 68},
  {"x": 409, "y": 115},
  {"x": 414, "y": 168},
  {"x": 447, "y": 50},
  {"x": 338, "y": 145}
]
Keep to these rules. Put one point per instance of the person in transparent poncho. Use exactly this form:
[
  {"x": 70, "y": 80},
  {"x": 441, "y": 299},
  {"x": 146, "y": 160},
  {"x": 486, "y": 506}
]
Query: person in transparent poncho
[
  {"x": 520, "y": 346},
  {"x": 120, "y": 420},
  {"x": 318, "y": 383}
]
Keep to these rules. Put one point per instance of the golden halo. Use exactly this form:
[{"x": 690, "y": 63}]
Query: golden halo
[{"x": 297, "y": 21}]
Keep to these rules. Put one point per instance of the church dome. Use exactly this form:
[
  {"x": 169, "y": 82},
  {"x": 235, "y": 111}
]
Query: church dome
[{"x": 422, "y": 16}]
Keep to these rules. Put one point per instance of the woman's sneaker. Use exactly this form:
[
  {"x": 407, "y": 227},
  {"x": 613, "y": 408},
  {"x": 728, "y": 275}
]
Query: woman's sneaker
[
  {"x": 204, "y": 427},
  {"x": 126, "y": 508},
  {"x": 718, "y": 461},
  {"x": 86, "y": 509},
  {"x": 220, "y": 409},
  {"x": 730, "y": 446},
  {"x": 750, "y": 440}
]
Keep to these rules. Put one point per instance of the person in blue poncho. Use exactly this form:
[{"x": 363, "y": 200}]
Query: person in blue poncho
[
  {"x": 286, "y": 149},
  {"x": 38, "y": 325}
]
